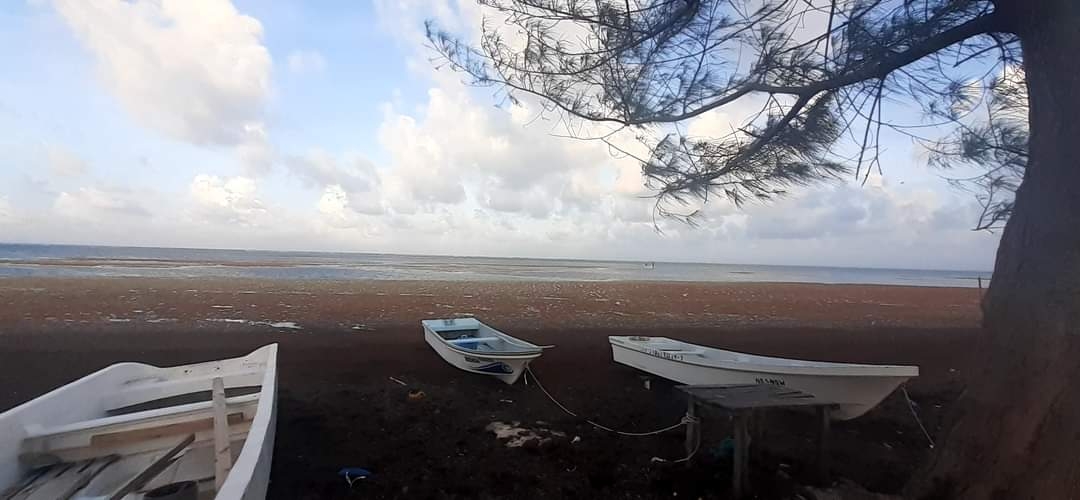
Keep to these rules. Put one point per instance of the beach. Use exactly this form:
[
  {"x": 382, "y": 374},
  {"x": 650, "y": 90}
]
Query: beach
[{"x": 344, "y": 342}]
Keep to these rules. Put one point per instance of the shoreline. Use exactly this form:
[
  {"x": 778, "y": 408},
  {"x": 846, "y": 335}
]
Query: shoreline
[
  {"x": 51, "y": 303},
  {"x": 44, "y": 261},
  {"x": 311, "y": 280}
]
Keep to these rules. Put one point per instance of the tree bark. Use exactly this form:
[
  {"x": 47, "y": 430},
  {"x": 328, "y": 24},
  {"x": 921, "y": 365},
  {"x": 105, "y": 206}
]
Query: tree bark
[{"x": 1015, "y": 432}]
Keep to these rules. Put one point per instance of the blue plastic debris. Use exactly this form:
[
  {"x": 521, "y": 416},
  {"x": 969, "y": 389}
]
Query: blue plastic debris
[
  {"x": 353, "y": 474},
  {"x": 725, "y": 449}
]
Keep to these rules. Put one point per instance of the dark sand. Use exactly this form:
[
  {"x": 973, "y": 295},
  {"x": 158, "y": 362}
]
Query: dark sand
[{"x": 338, "y": 407}]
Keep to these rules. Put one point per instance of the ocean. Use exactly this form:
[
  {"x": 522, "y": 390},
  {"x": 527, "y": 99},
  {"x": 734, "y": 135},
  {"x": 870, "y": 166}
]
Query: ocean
[{"x": 23, "y": 260}]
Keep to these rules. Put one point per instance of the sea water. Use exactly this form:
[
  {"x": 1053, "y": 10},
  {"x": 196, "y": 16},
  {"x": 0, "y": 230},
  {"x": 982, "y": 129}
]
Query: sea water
[{"x": 21, "y": 260}]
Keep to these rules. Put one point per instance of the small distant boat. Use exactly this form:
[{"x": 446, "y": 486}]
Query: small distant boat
[
  {"x": 475, "y": 347},
  {"x": 853, "y": 388},
  {"x": 133, "y": 431}
]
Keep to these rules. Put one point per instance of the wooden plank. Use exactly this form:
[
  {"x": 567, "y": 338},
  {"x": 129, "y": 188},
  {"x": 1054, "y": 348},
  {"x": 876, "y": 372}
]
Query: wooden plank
[
  {"x": 155, "y": 468},
  {"x": 28, "y": 482},
  {"x": 70, "y": 478},
  {"x": 222, "y": 449},
  {"x": 740, "y": 485},
  {"x": 203, "y": 438},
  {"x": 92, "y": 470},
  {"x": 823, "y": 445},
  {"x": 56, "y": 482},
  {"x": 121, "y": 438},
  {"x": 38, "y": 435},
  {"x": 691, "y": 429}
]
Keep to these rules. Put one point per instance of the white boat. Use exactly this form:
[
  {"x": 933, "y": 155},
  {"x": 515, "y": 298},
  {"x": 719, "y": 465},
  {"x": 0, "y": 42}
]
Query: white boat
[
  {"x": 475, "y": 347},
  {"x": 133, "y": 431},
  {"x": 853, "y": 388}
]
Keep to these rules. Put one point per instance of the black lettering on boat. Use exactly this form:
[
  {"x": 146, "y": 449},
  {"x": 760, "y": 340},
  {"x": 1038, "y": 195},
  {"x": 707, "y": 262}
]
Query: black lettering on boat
[
  {"x": 770, "y": 381},
  {"x": 664, "y": 354}
]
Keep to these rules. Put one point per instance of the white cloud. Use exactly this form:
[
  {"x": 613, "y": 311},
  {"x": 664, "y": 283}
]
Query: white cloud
[
  {"x": 457, "y": 147},
  {"x": 306, "y": 61},
  {"x": 195, "y": 70},
  {"x": 320, "y": 169},
  {"x": 7, "y": 213},
  {"x": 255, "y": 151},
  {"x": 334, "y": 204},
  {"x": 342, "y": 210},
  {"x": 420, "y": 169},
  {"x": 100, "y": 205},
  {"x": 64, "y": 163},
  {"x": 231, "y": 200}
]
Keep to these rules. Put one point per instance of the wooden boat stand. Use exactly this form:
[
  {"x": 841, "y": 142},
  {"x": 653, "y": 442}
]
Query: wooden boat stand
[{"x": 741, "y": 402}]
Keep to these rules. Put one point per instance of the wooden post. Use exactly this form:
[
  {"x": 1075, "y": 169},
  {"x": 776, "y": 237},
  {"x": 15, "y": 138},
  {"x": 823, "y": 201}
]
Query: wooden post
[
  {"x": 692, "y": 428},
  {"x": 222, "y": 448},
  {"x": 740, "y": 485},
  {"x": 823, "y": 445}
]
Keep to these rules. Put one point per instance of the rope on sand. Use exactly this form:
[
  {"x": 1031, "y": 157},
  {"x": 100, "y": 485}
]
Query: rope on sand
[
  {"x": 685, "y": 420},
  {"x": 697, "y": 446},
  {"x": 911, "y": 405}
]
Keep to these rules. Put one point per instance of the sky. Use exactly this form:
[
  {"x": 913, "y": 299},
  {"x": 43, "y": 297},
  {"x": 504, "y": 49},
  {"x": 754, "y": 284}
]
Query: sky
[{"x": 292, "y": 125}]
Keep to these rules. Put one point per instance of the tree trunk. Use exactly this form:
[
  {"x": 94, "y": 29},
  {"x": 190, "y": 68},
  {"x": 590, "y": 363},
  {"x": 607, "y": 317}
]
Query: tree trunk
[{"x": 1015, "y": 432}]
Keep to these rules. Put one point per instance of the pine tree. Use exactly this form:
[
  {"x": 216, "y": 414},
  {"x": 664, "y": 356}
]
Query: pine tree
[{"x": 1000, "y": 77}]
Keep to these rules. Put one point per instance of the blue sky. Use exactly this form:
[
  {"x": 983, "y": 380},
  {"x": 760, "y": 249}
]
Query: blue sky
[{"x": 323, "y": 126}]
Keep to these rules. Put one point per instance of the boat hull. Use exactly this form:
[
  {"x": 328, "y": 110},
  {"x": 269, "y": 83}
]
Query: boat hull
[
  {"x": 88, "y": 398},
  {"x": 851, "y": 396},
  {"x": 507, "y": 368},
  {"x": 249, "y": 478}
]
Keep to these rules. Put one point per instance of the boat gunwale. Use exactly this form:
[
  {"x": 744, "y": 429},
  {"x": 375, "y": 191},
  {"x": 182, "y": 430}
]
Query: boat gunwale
[
  {"x": 247, "y": 461},
  {"x": 902, "y": 371}
]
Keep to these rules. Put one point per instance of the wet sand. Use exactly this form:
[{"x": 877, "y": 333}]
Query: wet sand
[{"x": 341, "y": 341}]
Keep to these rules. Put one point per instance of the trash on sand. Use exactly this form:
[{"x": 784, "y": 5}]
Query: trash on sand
[
  {"x": 518, "y": 436},
  {"x": 506, "y": 400},
  {"x": 416, "y": 395},
  {"x": 398, "y": 381},
  {"x": 725, "y": 449},
  {"x": 577, "y": 439},
  {"x": 353, "y": 474}
]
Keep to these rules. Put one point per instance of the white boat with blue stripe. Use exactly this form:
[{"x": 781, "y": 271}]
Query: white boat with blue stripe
[{"x": 475, "y": 347}]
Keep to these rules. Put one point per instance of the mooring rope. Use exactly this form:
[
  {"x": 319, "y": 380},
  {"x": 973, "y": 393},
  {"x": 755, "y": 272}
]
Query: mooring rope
[
  {"x": 697, "y": 446},
  {"x": 686, "y": 419},
  {"x": 915, "y": 414}
]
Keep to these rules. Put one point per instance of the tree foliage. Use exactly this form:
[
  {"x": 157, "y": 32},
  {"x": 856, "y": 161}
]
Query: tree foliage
[{"x": 825, "y": 76}]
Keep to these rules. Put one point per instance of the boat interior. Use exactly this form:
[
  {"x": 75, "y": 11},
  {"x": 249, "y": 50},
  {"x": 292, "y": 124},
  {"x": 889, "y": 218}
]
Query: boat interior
[
  {"x": 177, "y": 432},
  {"x": 478, "y": 337}
]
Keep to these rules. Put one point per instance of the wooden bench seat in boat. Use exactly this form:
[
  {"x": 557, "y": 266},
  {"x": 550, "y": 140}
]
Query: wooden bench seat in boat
[{"x": 134, "y": 432}]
